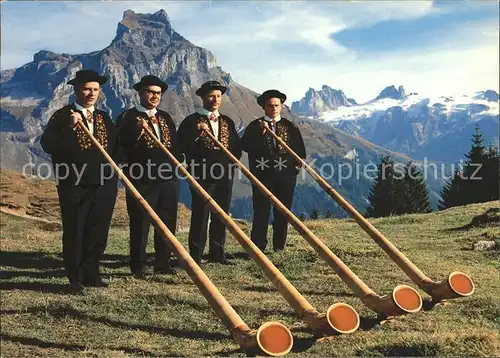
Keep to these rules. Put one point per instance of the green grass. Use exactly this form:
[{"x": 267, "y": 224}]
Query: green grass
[{"x": 167, "y": 316}]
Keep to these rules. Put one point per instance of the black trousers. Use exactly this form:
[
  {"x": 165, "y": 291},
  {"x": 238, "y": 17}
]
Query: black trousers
[
  {"x": 86, "y": 212},
  {"x": 282, "y": 187},
  {"x": 163, "y": 197},
  {"x": 221, "y": 192}
]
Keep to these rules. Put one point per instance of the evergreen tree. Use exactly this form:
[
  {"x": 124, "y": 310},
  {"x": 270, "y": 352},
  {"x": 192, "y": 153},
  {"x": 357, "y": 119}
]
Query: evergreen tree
[
  {"x": 411, "y": 194},
  {"x": 329, "y": 214},
  {"x": 383, "y": 190},
  {"x": 474, "y": 171},
  {"x": 453, "y": 192},
  {"x": 479, "y": 180}
]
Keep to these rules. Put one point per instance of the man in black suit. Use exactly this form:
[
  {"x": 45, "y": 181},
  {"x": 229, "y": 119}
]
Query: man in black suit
[
  {"x": 86, "y": 183},
  {"x": 151, "y": 172},
  {"x": 273, "y": 166},
  {"x": 211, "y": 167}
]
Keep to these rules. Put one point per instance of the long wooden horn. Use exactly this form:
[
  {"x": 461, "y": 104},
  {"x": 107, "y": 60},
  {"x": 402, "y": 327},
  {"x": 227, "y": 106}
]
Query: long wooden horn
[
  {"x": 272, "y": 338},
  {"x": 457, "y": 284},
  {"x": 403, "y": 299},
  {"x": 339, "y": 317}
]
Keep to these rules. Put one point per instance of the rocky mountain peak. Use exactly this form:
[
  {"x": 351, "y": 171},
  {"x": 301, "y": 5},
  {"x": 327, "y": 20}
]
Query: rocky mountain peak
[
  {"x": 392, "y": 92},
  {"x": 149, "y": 30},
  {"x": 491, "y": 96},
  {"x": 44, "y": 55},
  {"x": 315, "y": 102}
]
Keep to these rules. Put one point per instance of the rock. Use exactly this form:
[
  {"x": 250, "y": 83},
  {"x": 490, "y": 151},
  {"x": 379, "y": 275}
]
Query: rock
[
  {"x": 315, "y": 102},
  {"x": 392, "y": 92},
  {"x": 484, "y": 245}
]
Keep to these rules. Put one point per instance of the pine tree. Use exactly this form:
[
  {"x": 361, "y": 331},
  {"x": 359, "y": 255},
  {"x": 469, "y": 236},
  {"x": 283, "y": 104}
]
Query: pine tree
[
  {"x": 382, "y": 193},
  {"x": 329, "y": 214},
  {"x": 474, "y": 171},
  {"x": 411, "y": 192},
  {"x": 478, "y": 182},
  {"x": 453, "y": 192}
]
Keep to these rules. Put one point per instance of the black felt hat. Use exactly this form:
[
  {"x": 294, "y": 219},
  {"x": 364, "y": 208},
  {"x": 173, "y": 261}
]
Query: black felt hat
[
  {"x": 209, "y": 86},
  {"x": 150, "y": 80},
  {"x": 84, "y": 76},
  {"x": 262, "y": 99}
]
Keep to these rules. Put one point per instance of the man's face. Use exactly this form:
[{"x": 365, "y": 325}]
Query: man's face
[
  {"x": 87, "y": 93},
  {"x": 273, "y": 107},
  {"x": 212, "y": 100},
  {"x": 150, "y": 96}
]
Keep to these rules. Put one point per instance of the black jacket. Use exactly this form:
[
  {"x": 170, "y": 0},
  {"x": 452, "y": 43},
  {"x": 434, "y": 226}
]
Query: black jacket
[
  {"x": 144, "y": 160},
  {"x": 265, "y": 156},
  {"x": 201, "y": 151},
  {"x": 72, "y": 151}
]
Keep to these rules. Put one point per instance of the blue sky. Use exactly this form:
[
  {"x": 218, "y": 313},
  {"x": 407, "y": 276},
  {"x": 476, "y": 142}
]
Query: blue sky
[{"x": 433, "y": 48}]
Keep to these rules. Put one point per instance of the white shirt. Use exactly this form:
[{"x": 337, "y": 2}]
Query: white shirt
[
  {"x": 214, "y": 125},
  {"x": 270, "y": 122},
  {"x": 150, "y": 113},
  {"x": 84, "y": 111}
]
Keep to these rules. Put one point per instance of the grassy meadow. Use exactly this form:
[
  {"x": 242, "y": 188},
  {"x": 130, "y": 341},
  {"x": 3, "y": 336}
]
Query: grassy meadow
[{"x": 167, "y": 316}]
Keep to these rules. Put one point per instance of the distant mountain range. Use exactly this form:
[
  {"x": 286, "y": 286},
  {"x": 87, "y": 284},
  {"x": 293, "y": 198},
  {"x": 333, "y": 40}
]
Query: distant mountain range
[
  {"x": 147, "y": 44},
  {"x": 438, "y": 128}
]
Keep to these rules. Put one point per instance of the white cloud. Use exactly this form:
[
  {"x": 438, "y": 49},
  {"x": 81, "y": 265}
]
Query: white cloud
[{"x": 284, "y": 45}]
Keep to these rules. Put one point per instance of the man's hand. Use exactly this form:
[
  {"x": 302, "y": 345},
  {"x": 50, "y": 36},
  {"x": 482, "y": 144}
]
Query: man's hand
[
  {"x": 74, "y": 118},
  {"x": 203, "y": 126},
  {"x": 264, "y": 126},
  {"x": 142, "y": 124}
]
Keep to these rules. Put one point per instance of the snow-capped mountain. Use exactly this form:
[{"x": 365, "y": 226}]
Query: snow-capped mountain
[{"x": 438, "y": 128}]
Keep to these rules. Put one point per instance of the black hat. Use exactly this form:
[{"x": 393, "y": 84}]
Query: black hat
[
  {"x": 150, "y": 80},
  {"x": 84, "y": 76},
  {"x": 209, "y": 86},
  {"x": 262, "y": 99}
]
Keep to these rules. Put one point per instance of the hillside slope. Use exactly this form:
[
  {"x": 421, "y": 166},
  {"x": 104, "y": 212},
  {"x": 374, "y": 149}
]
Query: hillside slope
[{"x": 167, "y": 316}]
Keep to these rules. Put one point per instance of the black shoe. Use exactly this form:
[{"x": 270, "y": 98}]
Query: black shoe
[
  {"x": 175, "y": 262},
  {"x": 141, "y": 274},
  {"x": 97, "y": 282},
  {"x": 221, "y": 260},
  {"x": 76, "y": 288},
  {"x": 225, "y": 261},
  {"x": 166, "y": 270}
]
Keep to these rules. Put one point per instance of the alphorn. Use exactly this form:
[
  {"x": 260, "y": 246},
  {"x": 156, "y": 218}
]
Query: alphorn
[
  {"x": 457, "y": 284},
  {"x": 339, "y": 317},
  {"x": 403, "y": 299},
  {"x": 271, "y": 338}
]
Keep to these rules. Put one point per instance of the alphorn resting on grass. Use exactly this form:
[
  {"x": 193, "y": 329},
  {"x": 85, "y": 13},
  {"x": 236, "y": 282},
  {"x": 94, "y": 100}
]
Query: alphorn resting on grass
[{"x": 457, "y": 284}]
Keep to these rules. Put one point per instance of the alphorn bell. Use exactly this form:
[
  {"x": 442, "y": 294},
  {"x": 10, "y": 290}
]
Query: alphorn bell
[
  {"x": 339, "y": 317},
  {"x": 457, "y": 284},
  {"x": 403, "y": 299},
  {"x": 272, "y": 338}
]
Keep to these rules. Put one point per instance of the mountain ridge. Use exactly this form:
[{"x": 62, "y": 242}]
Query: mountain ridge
[{"x": 418, "y": 125}]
